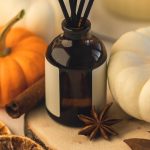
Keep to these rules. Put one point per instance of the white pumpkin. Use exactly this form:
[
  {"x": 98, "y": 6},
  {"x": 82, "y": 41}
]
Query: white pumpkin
[
  {"x": 43, "y": 17},
  {"x": 134, "y": 9},
  {"x": 129, "y": 73}
]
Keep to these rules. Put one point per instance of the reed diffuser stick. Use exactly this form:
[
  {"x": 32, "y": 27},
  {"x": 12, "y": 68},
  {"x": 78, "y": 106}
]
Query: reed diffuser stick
[
  {"x": 87, "y": 11},
  {"x": 65, "y": 12},
  {"x": 75, "y": 14},
  {"x": 71, "y": 10},
  {"x": 73, "y": 4},
  {"x": 79, "y": 13}
]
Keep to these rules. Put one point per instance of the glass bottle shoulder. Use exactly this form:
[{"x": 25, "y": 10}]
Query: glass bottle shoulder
[{"x": 86, "y": 53}]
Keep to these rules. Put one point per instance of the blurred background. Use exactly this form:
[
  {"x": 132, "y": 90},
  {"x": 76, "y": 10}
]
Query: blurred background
[{"x": 110, "y": 18}]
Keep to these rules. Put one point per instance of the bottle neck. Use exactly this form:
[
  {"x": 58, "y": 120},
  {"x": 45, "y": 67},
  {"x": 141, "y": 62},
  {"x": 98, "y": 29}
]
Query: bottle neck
[{"x": 76, "y": 33}]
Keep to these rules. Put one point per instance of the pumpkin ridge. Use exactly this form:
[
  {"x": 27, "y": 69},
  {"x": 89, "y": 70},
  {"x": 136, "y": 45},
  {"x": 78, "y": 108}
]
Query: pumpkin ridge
[
  {"x": 29, "y": 54},
  {"x": 143, "y": 81},
  {"x": 0, "y": 82},
  {"x": 138, "y": 114},
  {"x": 139, "y": 101},
  {"x": 1, "y": 75},
  {"x": 144, "y": 31},
  {"x": 18, "y": 35},
  {"x": 20, "y": 69},
  {"x": 144, "y": 101},
  {"x": 34, "y": 38},
  {"x": 32, "y": 50},
  {"x": 37, "y": 68},
  {"x": 143, "y": 34},
  {"x": 3, "y": 101},
  {"x": 24, "y": 72},
  {"x": 126, "y": 43},
  {"x": 37, "y": 44}
]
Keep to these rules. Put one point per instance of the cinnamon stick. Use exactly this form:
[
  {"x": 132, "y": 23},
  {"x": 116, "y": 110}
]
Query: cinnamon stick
[{"x": 27, "y": 100}]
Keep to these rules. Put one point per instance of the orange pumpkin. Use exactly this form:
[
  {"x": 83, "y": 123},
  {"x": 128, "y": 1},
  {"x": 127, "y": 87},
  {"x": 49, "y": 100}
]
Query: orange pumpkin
[{"x": 21, "y": 60}]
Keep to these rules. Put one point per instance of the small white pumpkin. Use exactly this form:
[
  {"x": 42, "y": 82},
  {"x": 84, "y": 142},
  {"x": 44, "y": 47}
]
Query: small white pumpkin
[
  {"x": 43, "y": 17},
  {"x": 133, "y": 9},
  {"x": 129, "y": 73}
]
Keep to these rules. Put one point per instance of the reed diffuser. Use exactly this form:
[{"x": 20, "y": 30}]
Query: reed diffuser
[{"x": 75, "y": 67}]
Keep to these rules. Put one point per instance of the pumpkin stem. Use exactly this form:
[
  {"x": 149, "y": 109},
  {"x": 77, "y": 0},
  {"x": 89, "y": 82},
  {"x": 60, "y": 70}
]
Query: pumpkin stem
[{"x": 3, "y": 50}]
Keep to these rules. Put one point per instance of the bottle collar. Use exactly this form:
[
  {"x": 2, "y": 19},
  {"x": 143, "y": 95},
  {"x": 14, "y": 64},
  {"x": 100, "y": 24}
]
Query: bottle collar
[{"x": 75, "y": 33}]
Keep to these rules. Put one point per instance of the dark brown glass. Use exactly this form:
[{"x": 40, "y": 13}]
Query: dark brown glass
[{"x": 76, "y": 53}]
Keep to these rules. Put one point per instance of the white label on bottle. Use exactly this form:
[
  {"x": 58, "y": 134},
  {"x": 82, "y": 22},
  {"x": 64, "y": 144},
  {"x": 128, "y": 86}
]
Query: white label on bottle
[
  {"x": 52, "y": 88},
  {"x": 99, "y": 83}
]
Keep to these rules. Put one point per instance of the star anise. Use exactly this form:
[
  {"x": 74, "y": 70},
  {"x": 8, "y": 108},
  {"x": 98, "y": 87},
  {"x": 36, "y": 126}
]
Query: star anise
[{"x": 98, "y": 124}]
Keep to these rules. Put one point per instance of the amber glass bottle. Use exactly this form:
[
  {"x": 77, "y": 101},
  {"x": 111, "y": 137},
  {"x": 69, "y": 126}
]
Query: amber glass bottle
[{"x": 75, "y": 74}]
